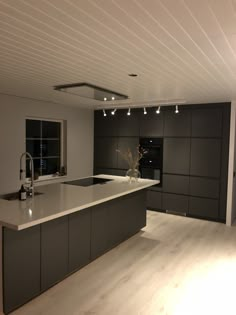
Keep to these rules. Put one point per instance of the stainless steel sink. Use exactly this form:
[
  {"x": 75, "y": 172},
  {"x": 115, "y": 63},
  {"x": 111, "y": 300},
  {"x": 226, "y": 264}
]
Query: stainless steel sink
[{"x": 15, "y": 195}]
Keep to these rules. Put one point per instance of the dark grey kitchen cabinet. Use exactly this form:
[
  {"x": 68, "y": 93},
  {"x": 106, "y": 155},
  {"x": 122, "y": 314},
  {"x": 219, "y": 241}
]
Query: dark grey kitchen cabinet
[
  {"x": 54, "y": 251},
  {"x": 205, "y": 157},
  {"x": 135, "y": 213},
  {"x": 175, "y": 203},
  {"x": 177, "y": 125},
  {"x": 125, "y": 143},
  {"x": 207, "y": 122},
  {"x": 128, "y": 126},
  {"x": 105, "y": 154},
  {"x": 105, "y": 125},
  {"x": 99, "y": 230},
  {"x": 176, "y": 184},
  {"x": 21, "y": 266},
  {"x": 154, "y": 200},
  {"x": 176, "y": 156},
  {"x": 116, "y": 220},
  {"x": 203, "y": 208},
  {"x": 151, "y": 125},
  {"x": 204, "y": 187},
  {"x": 116, "y": 217},
  {"x": 119, "y": 124},
  {"x": 79, "y": 239}
]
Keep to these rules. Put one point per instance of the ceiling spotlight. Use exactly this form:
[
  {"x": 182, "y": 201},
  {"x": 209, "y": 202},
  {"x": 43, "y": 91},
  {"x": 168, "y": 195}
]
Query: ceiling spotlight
[
  {"x": 129, "y": 113},
  {"x": 105, "y": 99},
  {"x": 113, "y": 111},
  {"x": 176, "y": 109},
  {"x": 113, "y": 98},
  {"x": 104, "y": 113},
  {"x": 144, "y": 111},
  {"x": 158, "y": 110}
]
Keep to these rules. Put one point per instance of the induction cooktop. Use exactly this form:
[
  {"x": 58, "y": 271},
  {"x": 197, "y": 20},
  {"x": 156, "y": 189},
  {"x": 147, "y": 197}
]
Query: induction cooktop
[{"x": 88, "y": 181}]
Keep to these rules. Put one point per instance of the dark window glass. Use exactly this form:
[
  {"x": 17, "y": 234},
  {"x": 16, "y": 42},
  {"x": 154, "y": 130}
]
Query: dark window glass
[
  {"x": 43, "y": 142},
  {"x": 37, "y": 168},
  {"x": 33, "y": 147},
  {"x": 50, "y": 148},
  {"x": 33, "y": 128},
  {"x": 51, "y": 129},
  {"x": 50, "y": 166}
]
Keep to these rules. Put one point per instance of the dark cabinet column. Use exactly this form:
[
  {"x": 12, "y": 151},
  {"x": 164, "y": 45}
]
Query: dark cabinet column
[
  {"x": 176, "y": 157},
  {"x": 204, "y": 187},
  {"x": 54, "y": 251},
  {"x": 207, "y": 122},
  {"x": 105, "y": 126},
  {"x": 176, "y": 184},
  {"x": 128, "y": 126},
  {"x": 205, "y": 157},
  {"x": 203, "y": 207},
  {"x": 79, "y": 239},
  {"x": 105, "y": 154},
  {"x": 21, "y": 266},
  {"x": 151, "y": 125},
  {"x": 177, "y": 125},
  {"x": 176, "y": 203}
]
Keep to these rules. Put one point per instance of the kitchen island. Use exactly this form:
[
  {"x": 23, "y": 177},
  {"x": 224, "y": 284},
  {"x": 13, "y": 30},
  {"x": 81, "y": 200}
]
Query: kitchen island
[{"x": 52, "y": 235}]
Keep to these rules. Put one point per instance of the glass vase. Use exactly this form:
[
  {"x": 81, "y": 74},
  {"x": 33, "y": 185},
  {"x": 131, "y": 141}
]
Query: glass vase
[{"x": 133, "y": 174}]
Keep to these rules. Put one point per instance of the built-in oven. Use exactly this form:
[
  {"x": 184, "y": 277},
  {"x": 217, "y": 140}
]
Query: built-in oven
[{"x": 150, "y": 165}]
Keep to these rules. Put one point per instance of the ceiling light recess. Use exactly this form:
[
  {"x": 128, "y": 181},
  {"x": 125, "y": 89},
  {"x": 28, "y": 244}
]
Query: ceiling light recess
[{"x": 88, "y": 90}]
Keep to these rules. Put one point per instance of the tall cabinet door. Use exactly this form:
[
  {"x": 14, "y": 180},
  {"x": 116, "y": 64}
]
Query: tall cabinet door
[
  {"x": 205, "y": 157},
  {"x": 21, "y": 266},
  {"x": 54, "y": 251},
  {"x": 151, "y": 125},
  {"x": 176, "y": 157},
  {"x": 79, "y": 239},
  {"x": 105, "y": 154}
]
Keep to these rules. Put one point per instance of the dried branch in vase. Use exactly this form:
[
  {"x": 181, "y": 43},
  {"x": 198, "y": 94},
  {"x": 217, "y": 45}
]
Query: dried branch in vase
[{"x": 132, "y": 158}]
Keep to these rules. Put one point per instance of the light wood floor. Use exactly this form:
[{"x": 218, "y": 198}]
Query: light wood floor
[{"x": 176, "y": 266}]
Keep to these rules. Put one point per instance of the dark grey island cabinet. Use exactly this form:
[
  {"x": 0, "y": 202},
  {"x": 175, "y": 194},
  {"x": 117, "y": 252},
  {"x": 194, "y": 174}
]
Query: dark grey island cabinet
[
  {"x": 37, "y": 257},
  {"x": 195, "y": 155}
]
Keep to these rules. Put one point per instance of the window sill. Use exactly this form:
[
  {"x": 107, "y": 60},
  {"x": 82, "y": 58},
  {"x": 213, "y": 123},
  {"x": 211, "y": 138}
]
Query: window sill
[{"x": 46, "y": 178}]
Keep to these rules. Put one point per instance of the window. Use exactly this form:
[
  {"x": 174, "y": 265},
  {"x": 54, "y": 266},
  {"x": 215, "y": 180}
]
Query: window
[{"x": 44, "y": 141}]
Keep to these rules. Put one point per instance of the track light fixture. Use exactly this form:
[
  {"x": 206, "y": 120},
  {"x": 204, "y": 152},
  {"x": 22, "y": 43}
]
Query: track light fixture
[
  {"x": 113, "y": 111},
  {"x": 129, "y": 112},
  {"x": 104, "y": 113},
  {"x": 144, "y": 111},
  {"x": 158, "y": 110},
  {"x": 176, "y": 109}
]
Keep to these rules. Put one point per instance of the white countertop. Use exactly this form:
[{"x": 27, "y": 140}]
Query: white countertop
[{"x": 59, "y": 199}]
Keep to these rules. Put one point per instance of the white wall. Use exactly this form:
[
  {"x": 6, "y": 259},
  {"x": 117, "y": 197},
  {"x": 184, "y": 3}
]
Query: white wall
[{"x": 14, "y": 110}]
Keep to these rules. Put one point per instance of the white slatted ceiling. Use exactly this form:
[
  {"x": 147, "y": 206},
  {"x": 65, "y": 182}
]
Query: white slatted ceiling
[{"x": 180, "y": 49}]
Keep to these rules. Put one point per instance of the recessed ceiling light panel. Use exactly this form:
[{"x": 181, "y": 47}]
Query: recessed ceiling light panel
[{"x": 88, "y": 90}]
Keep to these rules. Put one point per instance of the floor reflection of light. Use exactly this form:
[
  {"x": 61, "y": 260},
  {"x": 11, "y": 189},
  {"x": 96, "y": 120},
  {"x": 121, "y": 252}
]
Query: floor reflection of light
[{"x": 210, "y": 290}]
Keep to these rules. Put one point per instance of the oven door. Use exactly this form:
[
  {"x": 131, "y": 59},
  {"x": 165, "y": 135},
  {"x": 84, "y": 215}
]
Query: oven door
[{"x": 151, "y": 173}]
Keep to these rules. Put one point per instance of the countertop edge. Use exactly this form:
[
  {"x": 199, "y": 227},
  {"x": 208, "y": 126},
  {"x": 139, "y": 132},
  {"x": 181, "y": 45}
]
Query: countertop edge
[{"x": 72, "y": 210}]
